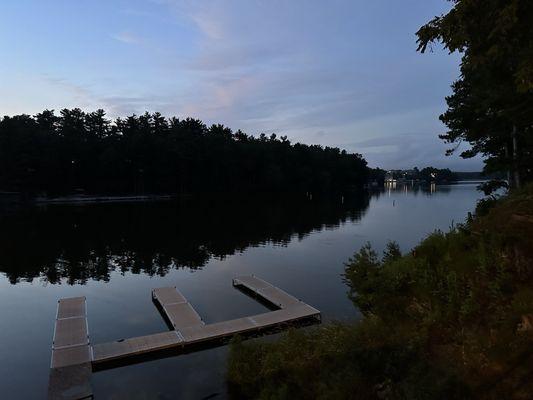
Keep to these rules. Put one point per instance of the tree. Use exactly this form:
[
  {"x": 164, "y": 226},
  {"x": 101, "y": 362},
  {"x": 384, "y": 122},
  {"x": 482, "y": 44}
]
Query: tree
[
  {"x": 491, "y": 106},
  {"x": 81, "y": 151},
  {"x": 432, "y": 174}
]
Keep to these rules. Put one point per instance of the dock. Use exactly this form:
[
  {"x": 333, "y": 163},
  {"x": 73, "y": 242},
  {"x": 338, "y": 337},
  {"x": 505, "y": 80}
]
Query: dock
[
  {"x": 72, "y": 350},
  {"x": 70, "y": 368},
  {"x": 267, "y": 292},
  {"x": 177, "y": 310}
]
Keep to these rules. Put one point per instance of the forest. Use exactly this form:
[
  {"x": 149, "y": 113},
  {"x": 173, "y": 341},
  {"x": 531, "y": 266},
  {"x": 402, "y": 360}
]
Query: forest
[
  {"x": 79, "y": 152},
  {"x": 425, "y": 175}
]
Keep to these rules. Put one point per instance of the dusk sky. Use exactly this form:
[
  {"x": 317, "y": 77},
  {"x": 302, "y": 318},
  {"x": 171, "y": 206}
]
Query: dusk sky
[{"x": 339, "y": 72}]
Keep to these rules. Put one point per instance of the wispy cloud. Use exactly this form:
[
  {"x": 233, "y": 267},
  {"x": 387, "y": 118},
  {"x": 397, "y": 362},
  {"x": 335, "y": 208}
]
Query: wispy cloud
[
  {"x": 127, "y": 37},
  {"x": 87, "y": 98},
  {"x": 79, "y": 95},
  {"x": 208, "y": 23},
  {"x": 408, "y": 150}
]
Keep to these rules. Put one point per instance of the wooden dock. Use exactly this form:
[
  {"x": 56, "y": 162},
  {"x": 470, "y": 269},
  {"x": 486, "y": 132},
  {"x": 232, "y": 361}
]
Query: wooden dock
[
  {"x": 71, "y": 341},
  {"x": 70, "y": 368},
  {"x": 176, "y": 308},
  {"x": 267, "y": 292}
]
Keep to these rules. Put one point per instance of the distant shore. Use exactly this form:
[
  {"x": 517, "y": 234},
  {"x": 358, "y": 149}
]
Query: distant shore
[{"x": 80, "y": 199}]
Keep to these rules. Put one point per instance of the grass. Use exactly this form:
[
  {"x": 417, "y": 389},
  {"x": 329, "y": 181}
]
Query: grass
[{"x": 453, "y": 319}]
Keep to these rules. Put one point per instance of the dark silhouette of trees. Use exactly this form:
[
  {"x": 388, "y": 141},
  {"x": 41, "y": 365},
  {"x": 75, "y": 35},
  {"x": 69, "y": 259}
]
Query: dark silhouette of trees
[
  {"x": 376, "y": 175},
  {"x": 432, "y": 174},
  {"x": 425, "y": 175},
  {"x": 77, "y": 151},
  {"x": 491, "y": 106}
]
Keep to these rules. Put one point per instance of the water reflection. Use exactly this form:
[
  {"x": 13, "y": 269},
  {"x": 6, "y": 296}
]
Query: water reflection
[
  {"x": 413, "y": 187},
  {"x": 81, "y": 243},
  {"x": 84, "y": 244}
]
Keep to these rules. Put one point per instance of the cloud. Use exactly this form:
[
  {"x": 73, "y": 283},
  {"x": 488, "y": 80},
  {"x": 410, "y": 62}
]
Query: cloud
[
  {"x": 316, "y": 72},
  {"x": 208, "y": 24},
  {"x": 80, "y": 95},
  {"x": 127, "y": 37},
  {"x": 236, "y": 58},
  {"x": 266, "y": 66},
  {"x": 83, "y": 96},
  {"x": 407, "y": 150}
]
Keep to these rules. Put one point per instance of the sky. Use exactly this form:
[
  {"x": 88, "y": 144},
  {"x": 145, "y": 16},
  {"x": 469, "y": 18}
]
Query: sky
[{"x": 341, "y": 73}]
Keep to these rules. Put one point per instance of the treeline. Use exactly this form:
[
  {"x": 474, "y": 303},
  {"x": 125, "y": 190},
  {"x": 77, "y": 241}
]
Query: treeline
[
  {"x": 85, "y": 152},
  {"x": 432, "y": 174},
  {"x": 426, "y": 174}
]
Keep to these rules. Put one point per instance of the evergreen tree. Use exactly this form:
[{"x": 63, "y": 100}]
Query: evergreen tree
[
  {"x": 491, "y": 106},
  {"x": 85, "y": 152}
]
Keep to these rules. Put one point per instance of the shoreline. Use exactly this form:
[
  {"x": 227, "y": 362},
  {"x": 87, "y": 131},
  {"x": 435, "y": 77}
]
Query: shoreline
[{"x": 100, "y": 199}]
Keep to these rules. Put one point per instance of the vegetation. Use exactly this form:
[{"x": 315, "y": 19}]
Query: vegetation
[
  {"x": 85, "y": 152},
  {"x": 432, "y": 174},
  {"x": 491, "y": 106},
  {"x": 450, "y": 320}
]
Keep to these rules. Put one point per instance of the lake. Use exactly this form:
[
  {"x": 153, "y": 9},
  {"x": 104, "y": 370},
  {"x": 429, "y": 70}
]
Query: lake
[{"x": 114, "y": 254}]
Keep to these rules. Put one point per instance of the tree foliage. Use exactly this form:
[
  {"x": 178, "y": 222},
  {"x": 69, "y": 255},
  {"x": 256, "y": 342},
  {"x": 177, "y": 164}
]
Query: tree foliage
[
  {"x": 491, "y": 105},
  {"x": 79, "y": 151},
  {"x": 426, "y": 174}
]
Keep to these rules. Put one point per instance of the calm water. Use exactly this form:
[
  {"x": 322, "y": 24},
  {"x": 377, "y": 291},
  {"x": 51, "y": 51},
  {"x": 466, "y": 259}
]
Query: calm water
[{"x": 115, "y": 253}]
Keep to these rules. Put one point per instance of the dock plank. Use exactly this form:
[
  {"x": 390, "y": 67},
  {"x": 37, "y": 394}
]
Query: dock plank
[
  {"x": 251, "y": 282},
  {"x": 70, "y": 383},
  {"x": 218, "y": 330},
  {"x": 71, "y": 307},
  {"x": 70, "y": 367},
  {"x": 283, "y": 316},
  {"x": 168, "y": 295},
  {"x": 267, "y": 291},
  {"x": 176, "y": 308},
  {"x": 135, "y": 346},
  {"x": 182, "y": 315},
  {"x": 71, "y": 332},
  {"x": 71, "y": 356},
  {"x": 278, "y": 297}
]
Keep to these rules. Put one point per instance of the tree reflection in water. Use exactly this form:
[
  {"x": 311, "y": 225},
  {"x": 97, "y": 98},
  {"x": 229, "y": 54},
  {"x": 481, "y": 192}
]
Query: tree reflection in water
[{"x": 77, "y": 243}]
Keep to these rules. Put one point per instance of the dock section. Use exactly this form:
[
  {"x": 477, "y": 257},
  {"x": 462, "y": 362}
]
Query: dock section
[
  {"x": 254, "y": 324},
  {"x": 137, "y": 346},
  {"x": 189, "y": 329},
  {"x": 176, "y": 308},
  {"x": 73, "y": 357},
  {"x": 71, "y": 352},
  {"x": 266, "y": 291}
]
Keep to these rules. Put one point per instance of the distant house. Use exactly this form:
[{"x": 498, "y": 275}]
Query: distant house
[{"x": 389, "y": 177}]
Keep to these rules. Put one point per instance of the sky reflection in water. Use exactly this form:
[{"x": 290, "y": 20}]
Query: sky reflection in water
[{"x": 115, "y": 253}]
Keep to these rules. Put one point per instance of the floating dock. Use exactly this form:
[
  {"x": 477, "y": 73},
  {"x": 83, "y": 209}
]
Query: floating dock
[
  {"x": 73, "y": 358},
  {"x": 70, "y": 368}
]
